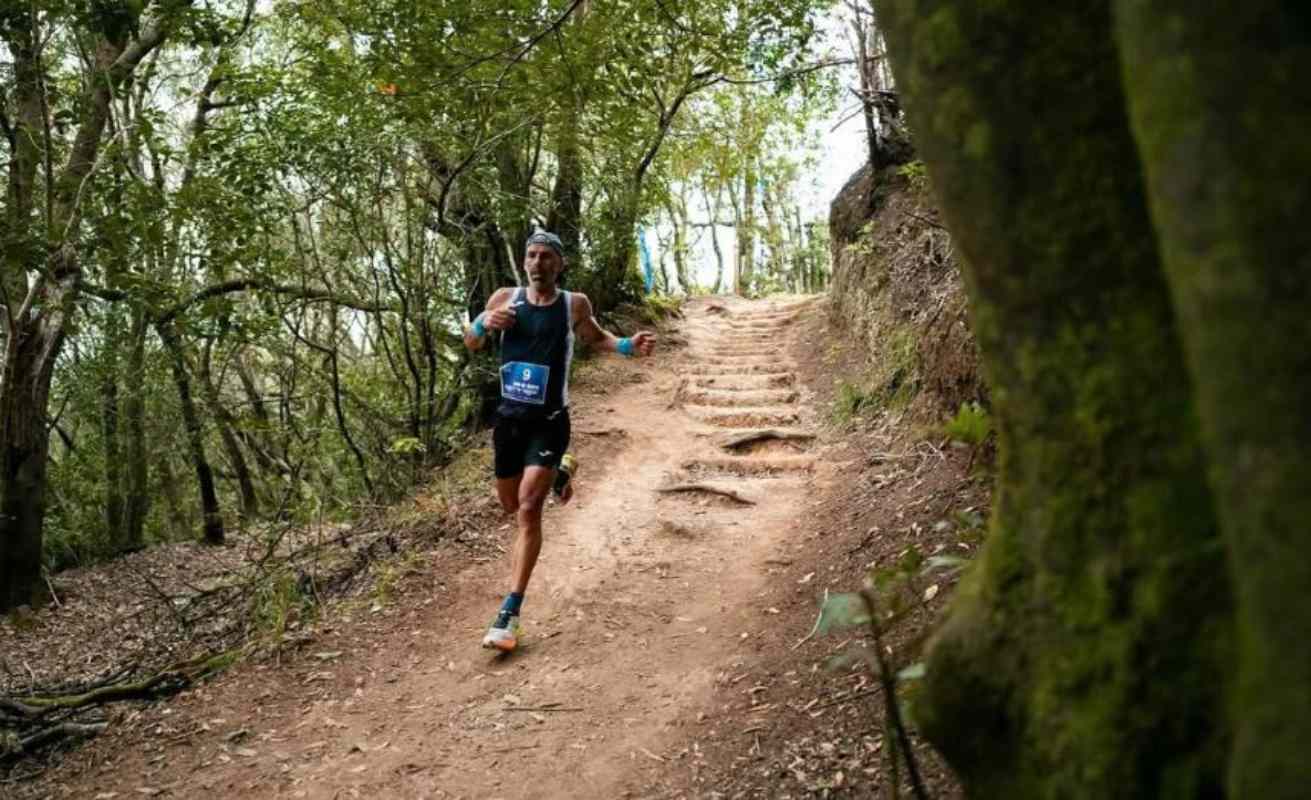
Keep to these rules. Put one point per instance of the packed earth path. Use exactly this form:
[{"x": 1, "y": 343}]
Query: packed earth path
[{"x": 648, "y": 588}]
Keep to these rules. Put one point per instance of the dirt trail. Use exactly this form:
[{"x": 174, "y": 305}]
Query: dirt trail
[{"x": 640, "y": 599}]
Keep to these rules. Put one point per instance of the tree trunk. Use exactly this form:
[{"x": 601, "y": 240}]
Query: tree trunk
[
  {"x": 24, "y": 391},
  {"x": 209, "y": 506},
  {"x": 1085, "y": 654},
  {"x": 1227, "y": 160},
  {"x": 714, "y": 243},
  {"x": 226, "y": 426},
  {"x": 663, "y": 284},
  {"x": 864, "y": 68},
  {"x": 736, "y": 205},
  {"x": 746, "y": 230},
  {"x": 115, "y": 528},
  {"x": 769, "y": 200},
  {"x": 178, "y": 512},
  {"x": 137, "y": 490},
  {"x": 677, "y": 207},
  {"x": 614, "y": 282}
]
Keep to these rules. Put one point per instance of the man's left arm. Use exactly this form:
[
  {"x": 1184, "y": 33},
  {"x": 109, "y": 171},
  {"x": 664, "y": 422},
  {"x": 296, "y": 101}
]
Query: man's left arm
[{"x": 586, "y": 326}]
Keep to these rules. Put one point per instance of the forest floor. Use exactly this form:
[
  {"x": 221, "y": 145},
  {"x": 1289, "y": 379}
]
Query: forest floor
[{"x": 669, "y": 647}]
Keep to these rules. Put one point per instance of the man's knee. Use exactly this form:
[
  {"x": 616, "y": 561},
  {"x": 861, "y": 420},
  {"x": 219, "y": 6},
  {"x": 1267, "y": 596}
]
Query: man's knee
[{"x": 531, "y": 501}]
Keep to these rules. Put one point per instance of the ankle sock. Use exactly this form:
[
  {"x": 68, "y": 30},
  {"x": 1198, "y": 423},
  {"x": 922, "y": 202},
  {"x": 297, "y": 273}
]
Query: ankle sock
[{"x": 510, "y": 608}]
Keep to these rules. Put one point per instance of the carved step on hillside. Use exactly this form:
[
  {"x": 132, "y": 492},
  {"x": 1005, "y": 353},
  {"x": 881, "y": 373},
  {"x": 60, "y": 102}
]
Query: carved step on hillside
[
  {"x": 745, "y": 383},
  {"x": 754, "y": 328},
  {"x": 738, "y": 368},
  {"x": 740, "y": 397},
  {"x": 775, "y": 359},
  {"x": 761, "y": 417},
  {"x": 753, "y": 468},
  {"x": 776, "y": 322},
  {"x": 762, "y": 349}
]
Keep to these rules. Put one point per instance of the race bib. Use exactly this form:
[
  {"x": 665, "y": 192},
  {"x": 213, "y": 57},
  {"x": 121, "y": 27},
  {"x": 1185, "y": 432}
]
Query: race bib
[{"x": 525, "y": 383}]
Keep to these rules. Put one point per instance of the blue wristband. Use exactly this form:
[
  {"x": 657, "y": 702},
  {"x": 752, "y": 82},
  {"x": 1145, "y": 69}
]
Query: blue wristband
[
  {"x": 478, "y": 328},
  {"x": 625, "y": 347}
]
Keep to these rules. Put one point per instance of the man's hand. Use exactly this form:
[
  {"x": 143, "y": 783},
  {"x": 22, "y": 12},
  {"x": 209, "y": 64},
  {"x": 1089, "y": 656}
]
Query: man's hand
[
  {"x": 644, "y": 342},
  {"x": 500, "y": 319}
]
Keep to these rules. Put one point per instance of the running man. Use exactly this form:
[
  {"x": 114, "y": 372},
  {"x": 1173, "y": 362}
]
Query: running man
[{"x": 532, "y": 429}]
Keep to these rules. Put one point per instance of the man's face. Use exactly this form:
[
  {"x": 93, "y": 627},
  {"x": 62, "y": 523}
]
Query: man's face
[{"x": 543, "y": 265}]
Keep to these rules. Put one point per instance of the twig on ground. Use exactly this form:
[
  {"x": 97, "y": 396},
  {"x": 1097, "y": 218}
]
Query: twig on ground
[
  {"x": 926, "y": 220},
  {"x": 54, "y": 597},
  {"x": 815, "y": 627}
]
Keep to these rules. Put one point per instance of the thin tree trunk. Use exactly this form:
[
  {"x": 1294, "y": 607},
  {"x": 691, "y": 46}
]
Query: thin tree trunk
[
  {"x": 137, "y": 490},
  {"x": 714, "y": 240},
  {"x": 738, "y": 226},
  {"x": 677, "y": 208},
  {"x": 116, "y": 530},
  {"x": 226, "y": 426},
  {"x": 746, "y": 230},
  {"x": 1086, "y": 656},
  {"x": 178, "y": 513},
  {"x": 209, "y": 507},
  {"x": 774, "y": 231}
]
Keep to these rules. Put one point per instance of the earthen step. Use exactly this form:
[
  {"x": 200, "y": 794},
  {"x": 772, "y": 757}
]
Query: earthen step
[
  {"x": 738, "y": 368},
  {"x": 745, "y": 467},
  {"x": 748, "y": 417},
  {"x": 745, "y": 383},
  {"x": 741, "y": 397},
  {"x": 760, "y": 349},
  {"x": 740, "y": 361}
]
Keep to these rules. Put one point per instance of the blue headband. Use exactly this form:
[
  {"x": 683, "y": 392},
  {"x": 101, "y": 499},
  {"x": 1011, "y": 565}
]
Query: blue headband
[{"x": 549, "y": 239}]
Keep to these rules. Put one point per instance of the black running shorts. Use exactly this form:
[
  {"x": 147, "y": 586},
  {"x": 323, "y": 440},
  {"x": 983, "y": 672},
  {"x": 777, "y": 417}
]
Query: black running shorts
[{"x": 520, "y": 443}]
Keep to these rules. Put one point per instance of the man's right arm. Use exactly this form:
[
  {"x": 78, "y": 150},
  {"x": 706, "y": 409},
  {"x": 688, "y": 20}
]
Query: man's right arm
[{"x": 496, "y": 316}]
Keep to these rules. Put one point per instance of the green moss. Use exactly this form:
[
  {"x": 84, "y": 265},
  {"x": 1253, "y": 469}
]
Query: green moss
[
  {"x": 1226, "y": 180},
  {"x": 1078, "y": 659},
  {"x": 971, "y": 425}
]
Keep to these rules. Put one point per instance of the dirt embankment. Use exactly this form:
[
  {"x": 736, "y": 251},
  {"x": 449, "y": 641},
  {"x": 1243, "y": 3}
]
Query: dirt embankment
[{"x": 897, "y": 294}]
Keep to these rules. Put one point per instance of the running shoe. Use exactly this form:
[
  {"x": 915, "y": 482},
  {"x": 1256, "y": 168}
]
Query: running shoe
[{"x": 504, "y": 634}]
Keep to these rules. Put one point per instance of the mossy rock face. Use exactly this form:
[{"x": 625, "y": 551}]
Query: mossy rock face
[{"x": 1080, "y": 657}]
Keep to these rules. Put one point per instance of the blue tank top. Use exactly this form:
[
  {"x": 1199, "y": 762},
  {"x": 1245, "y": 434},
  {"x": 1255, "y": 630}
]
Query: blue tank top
[{"x": 535, "y": 358}]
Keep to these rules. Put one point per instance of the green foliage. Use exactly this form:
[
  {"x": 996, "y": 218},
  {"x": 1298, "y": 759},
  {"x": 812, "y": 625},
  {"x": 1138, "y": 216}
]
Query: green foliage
[
  {"x": 916, "y": 174},
  {"x": 661, "y": 307},
  {"x": 406, "y": 445},
  {"x": 390, "y": 574},
  {"x": 280, "y": 598},
  {"x": 351, "y": 164},
  {"x": 851, "y": 400},
  {"x": 865, "y": 245},
  {"x": 971, "y": 425}
]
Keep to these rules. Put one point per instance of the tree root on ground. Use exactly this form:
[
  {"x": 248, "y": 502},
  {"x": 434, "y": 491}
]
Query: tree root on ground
[
  {"x": 737, "y": 440},
  {"x": 31, "y": 722},
  {"x": 709, "y": 489}
]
